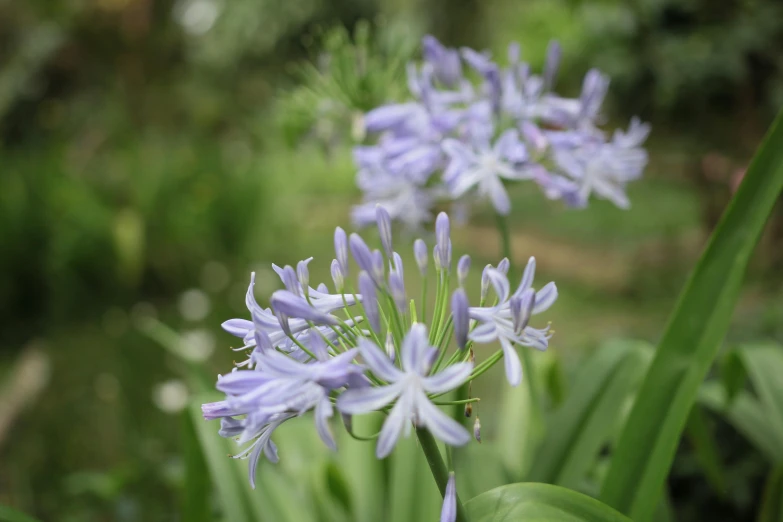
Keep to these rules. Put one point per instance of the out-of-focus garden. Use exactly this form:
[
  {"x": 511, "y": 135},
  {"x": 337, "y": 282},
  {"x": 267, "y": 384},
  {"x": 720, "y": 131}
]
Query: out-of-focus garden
[{"x": 154, "y": 152}]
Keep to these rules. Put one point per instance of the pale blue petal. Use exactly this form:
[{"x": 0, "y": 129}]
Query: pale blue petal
[
  {"x": 448, "y": 379},
  {"x": 545, "y": 298},
  {"x": 511, "y": 362},
  {"x": 378, "y": 361},
  {"x": 484, "y": 333},
  {"x": 414, "y": 349},
  {"x": 392, "y": 427},
  {"x": 441, "y": 425},
  {"x": 237, "y": 327},
  {"x": 323, "y": 412},
  {"x": 366, "y": 400}
]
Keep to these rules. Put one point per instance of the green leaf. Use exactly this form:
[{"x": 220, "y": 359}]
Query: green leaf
[
  {"x": 772, "y": 501},
  {"x": 746, "y": 414},
  {"x": 8, "y": 514},
  {"x": 764, "y": 364},
  {"x": 577, "y": 431},
  {"x": 706, "y": 450},
  {"x": 691, "y": 340},
  {"x": 760, "y": 417},
  {"x": 530, "y": 502},
  {"x": 197, "y": 487}
]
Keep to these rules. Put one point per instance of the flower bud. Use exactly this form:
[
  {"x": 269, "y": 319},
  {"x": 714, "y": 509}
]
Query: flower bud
[
  {"x": 397, "y": 289},
  {"x": 337, "y": 276},
  {"x": 390, "y": 347},
  {"x": 553, "y": 54},
  {"x": 303, "y": 275},
  {"x": 443, "y": 241},
  {"x": 361, "y": 253},
  {"x": 461, "y": 319},
  {"x": 469, "y": 409},
  {"x": 369, "y": 300},
  {"x": 341, "y": 249},
  {"x": 477, "y": 429},
  {"x": 420, "y": 253},
  {"x": 378, "y": 268},
  {"x": 463, "y": 266},
  {"x": 485, "y": 282},
  {"x": 384, "y": 229}
]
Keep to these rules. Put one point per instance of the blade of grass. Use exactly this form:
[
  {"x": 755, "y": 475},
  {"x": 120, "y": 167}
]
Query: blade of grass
[{"x": 691, "y": 340}]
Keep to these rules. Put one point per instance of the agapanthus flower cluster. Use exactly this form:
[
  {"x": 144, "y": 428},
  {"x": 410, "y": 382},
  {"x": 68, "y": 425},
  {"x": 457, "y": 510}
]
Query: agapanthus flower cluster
[
  {"x": 366, "y": 347},
  {"x": 472, "y": 127}
]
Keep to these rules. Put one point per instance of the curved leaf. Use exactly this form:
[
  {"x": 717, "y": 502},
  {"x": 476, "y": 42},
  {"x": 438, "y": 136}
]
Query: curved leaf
[
  {"x": 531, "y": 502},
  {"x": 691, "y": 340},
  {"x": 577, "y": 430}
]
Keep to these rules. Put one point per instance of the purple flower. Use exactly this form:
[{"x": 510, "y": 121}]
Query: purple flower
[
  {"x": 507, "y": 321},
  {"x": 485, "y": 167},
  {"x": 409, "y": 388},
  {"x": 279, "y": 389},
  {"x": 604, "y": 168}
]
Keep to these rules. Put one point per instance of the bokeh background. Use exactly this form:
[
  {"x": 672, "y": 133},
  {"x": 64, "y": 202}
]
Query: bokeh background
[{"x": 154, "y": 152}]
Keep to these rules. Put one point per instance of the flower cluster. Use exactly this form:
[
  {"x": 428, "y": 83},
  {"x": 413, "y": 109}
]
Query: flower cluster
[
  {"x": 365, "y": 348},
  {"x": 460, "y": 139}
]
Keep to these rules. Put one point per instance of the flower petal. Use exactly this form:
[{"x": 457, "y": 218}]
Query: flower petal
[
  {"x": 545, "y": 298},
  {"x": 365, "y": 400},
  {"x": 392, "y": 427},
  {"x": 323, "y": 411},
  {"x": 441, "y": 425},
  {"x": 484, "y": 333},
  {"x": 511, "y": 362},
  {"x": 448, "y": 379},
  {"x": 378, "y": 361}
]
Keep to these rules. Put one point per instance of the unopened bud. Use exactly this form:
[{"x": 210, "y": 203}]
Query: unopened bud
[
  {"x": 303, "y": 274},
  {"x": 337, "y": 276},
  {"x": 469, "y": 409},
  {"x": 463, "y": 266},
  {"x": 485, "y": 282},
  {"x": 477, "y": 430},
  {"x": 390, "y": 347},
  {"x": 384, "y": 228},
  {"x": 420, "y": 253}
]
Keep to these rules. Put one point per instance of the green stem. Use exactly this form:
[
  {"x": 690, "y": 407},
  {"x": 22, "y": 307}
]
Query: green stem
[{"x": 438, "y": 468}]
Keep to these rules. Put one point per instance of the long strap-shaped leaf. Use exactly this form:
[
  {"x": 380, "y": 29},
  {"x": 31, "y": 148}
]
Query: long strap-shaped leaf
[
  {"x": 531, "y": 502},
  {"x": 696, "y": 328}
]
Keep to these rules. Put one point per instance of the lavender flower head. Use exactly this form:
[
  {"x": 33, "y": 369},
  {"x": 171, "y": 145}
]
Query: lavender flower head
[
  {"x": 365, "y": 348},
  {"x": 460, "y": 140}
]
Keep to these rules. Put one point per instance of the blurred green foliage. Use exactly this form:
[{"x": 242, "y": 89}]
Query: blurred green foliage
[{"x": 144, "y": 140}]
